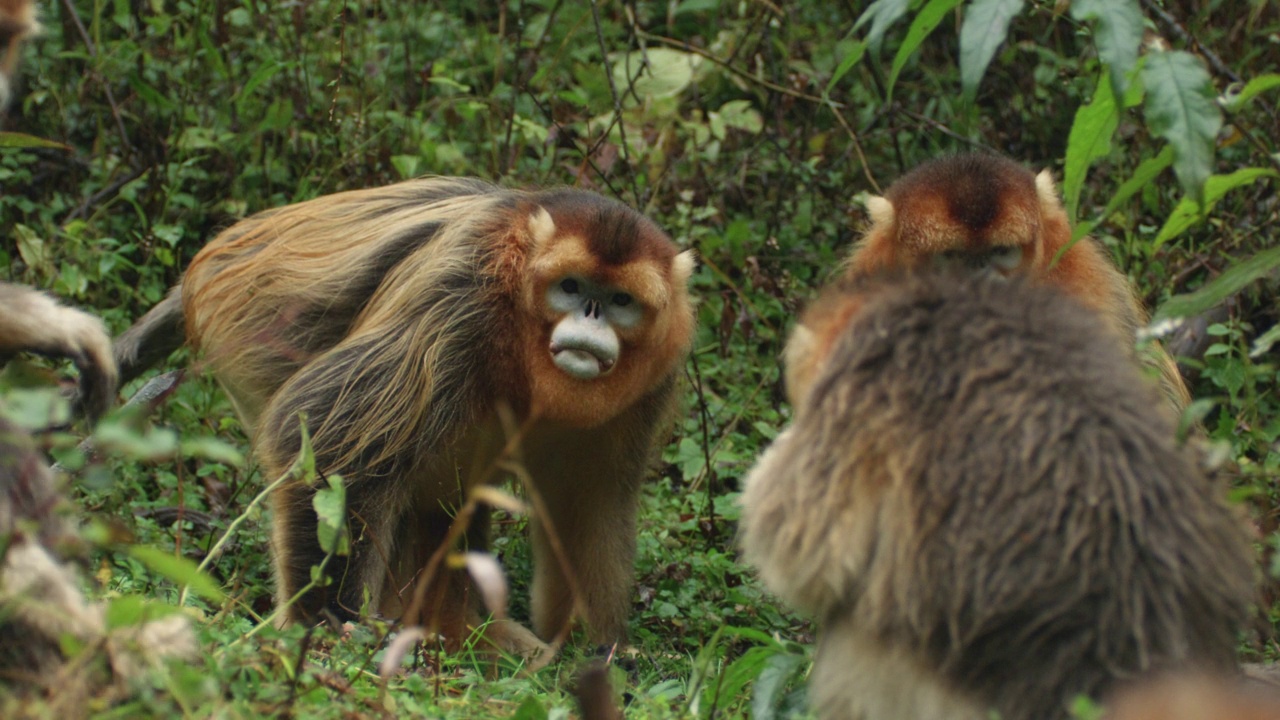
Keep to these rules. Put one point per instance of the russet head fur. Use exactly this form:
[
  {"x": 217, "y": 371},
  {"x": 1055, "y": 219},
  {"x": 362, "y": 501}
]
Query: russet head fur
[
  {"x": 972, "y": 202},
  {"x": 987, "y": 212}
]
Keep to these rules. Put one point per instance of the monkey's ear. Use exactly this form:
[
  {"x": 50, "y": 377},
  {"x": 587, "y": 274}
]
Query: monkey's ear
[
  {"x": 541, "y": 227},
  {"x": 801, "y": 363},
  {"x": 1047, "y": 192},
  {"x": 682, "y": 268},
  {"x": 880, "y": 210}
]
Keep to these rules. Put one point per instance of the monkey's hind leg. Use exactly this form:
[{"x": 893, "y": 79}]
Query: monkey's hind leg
[{"x": 352, "y": 580}]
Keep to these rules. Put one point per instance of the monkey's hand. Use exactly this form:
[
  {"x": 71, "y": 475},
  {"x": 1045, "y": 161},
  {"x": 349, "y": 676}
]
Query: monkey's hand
[{"x": 34, "y": 322}]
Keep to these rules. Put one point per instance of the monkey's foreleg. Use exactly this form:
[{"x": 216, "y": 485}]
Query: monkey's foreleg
[{"x": 593, "y": 522}]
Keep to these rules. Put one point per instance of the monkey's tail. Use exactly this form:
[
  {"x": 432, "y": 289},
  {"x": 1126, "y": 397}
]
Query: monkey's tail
[{"x": 152, "y": 339}]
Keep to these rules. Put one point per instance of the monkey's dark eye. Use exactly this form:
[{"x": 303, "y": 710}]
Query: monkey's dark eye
[
  {"x": 621, "y": 299},
  {"x": 569, "y": 285}
]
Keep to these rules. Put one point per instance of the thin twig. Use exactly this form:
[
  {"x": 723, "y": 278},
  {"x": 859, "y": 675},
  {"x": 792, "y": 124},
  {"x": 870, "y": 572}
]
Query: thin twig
[
  {"x": 1173, "y": 26},
  {"x": 740, "y": 73},
  {"x": 106, "y": 86},
  {"x": 82, "y": 210},
  {"x": 857, "y": 144},
  {"x": 617, "y": 102}
]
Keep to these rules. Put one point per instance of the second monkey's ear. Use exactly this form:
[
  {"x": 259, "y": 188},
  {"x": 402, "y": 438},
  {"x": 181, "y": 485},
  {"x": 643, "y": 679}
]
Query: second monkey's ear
[
  {"x": 880, "y": 210},
  {"x": 1047, "y": 191},
  {"x": 683, "y": 266},
  {"x": 541, "y": 227}
]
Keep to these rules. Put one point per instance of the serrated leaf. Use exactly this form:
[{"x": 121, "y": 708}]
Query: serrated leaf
[
  {"x": 1189, "y": 212},
  {"x": 1235, "y": 102},
  {"x": 1117, "y": 33},
  {"x": 178, "y": 569},
  {"x": 331, "y": 517},
  {"x": 881, "y": 14},
  {"x": 1089, "y": 139},
  {"x": 925, "y": 22},
  {"x": 1142, "y": 176},
  {"x": 23, "y": 140},
  {"x": 986, "y": 25},
  {"x": 1180, "y": 109},
  {"x": 1221, "y": 287}
]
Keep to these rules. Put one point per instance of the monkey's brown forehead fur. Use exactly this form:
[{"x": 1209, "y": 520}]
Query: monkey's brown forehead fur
[
  {"x": 976, "y": 192},
  {"x": 615, "y": 234}
]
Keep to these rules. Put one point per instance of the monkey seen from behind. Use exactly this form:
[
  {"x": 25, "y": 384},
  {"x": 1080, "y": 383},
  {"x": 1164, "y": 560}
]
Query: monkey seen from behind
[{"x": 984, "y": 506}]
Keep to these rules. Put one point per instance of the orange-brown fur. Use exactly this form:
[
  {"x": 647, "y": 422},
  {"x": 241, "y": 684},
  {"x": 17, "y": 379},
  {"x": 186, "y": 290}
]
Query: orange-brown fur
[
  {"x": 979, "y": 507},
  {"x": 398, "y": 321},
  {"x": 1196, "y": 697},
  {"x": 18, "y": 23},
  {"x": 975, "y": 202}
]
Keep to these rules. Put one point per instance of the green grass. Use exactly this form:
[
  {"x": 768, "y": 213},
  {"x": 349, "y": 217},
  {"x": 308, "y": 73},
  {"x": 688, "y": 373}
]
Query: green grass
[{"x": 749, "y": 142}]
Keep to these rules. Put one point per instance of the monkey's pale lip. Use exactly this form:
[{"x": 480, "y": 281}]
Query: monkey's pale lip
[{"x": 581, "y": 364}]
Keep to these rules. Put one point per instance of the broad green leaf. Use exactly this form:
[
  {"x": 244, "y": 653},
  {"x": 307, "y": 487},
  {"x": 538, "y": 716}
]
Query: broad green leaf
[
  {"x": 264, "y": 73},
  {"x": 23, "y": 140},
  {"x": 530, "y": 709},
  {"x": 119, "y": 437},
  {"x": 1090, "y": 139},
  {"x": 881, "y": 14},
  {"x": 739, "y": 115},
  {"x": 986, "y": 25},
  {"x": 31, "y": 247},
  {"x": 735, "y": 678},
  {"x": 1235, "y": 102},
  {"x": 1180, "y": 109},
  {"x": 1189, "y": 212},
  {"x": 851, "y": 59},
  {"x": 1118, "y": 35},
  {"x": 771, "y": 683},
  {"x": 134, "y": 610},
  {"x": 667, "y": 72},
  {"x": 1142, "y": 176},
  {"x": 178, "y": 569},
  {"x": 407, "y": 166},
  {"x": 926, "y": 22},
  {"x": 210, "y": 448},
  {"x": 1220, "y": 288},
  {"x": 331, "y": 515}
]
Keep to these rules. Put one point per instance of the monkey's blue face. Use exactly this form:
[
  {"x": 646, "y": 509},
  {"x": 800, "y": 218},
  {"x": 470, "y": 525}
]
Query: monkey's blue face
[{"x": 585, "y": 343}]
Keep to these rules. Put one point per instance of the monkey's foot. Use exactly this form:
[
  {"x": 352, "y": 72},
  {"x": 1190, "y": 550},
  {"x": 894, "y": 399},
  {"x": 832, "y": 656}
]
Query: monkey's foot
[{"x": 512, "y": 638}]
